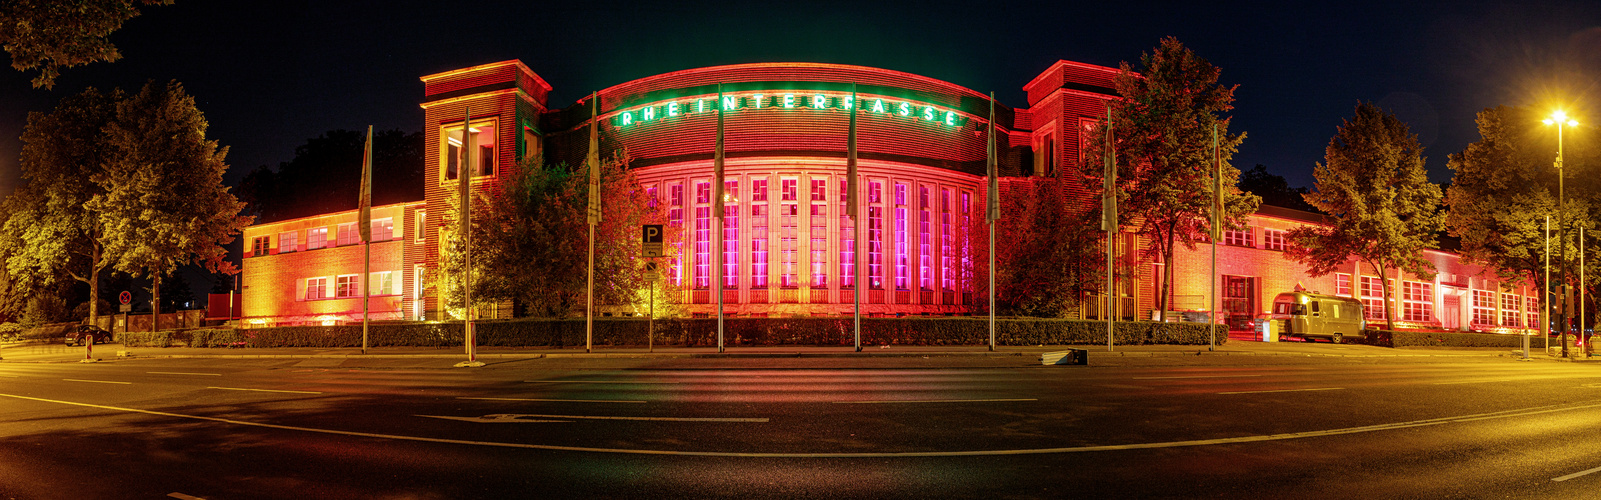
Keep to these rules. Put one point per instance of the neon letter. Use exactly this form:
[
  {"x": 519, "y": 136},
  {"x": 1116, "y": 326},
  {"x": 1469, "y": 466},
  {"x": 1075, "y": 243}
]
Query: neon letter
[
  {"x": 672, "y": 108},
  {"x": 928, "y": 113},
  {"x": 904, "y": 109},
  {"x": 648, "y": 114},
  {"x": 950, "y": 118},
  {"x": 789, "y": 100},
  {"x": 878, "y": 106},
  {"x": 700, "y": 105},
  {"x": 819, "y": 102},
  {"x": 757, "y": 101},
  {"x": 628, "y": 118},
  {"x": 847, "y": 102},
  {"x": 730, "y": 103}
]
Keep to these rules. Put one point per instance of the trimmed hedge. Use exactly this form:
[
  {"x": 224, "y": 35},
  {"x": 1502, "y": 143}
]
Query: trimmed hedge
[
  {"x": 145, "y": 339},
  {"x": 1442, "y": 339},
  {"x": 703, "y": 332}
]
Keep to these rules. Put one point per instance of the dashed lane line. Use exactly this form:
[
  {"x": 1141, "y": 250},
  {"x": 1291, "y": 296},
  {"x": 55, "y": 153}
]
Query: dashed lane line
[
  {"x": 1286, "y": 390},
  {"x": 1576, "y": 474},
  {"x": 185, "y": 373},
  {"x": 181, "y": 496},
  {"x": 97, "y": 381},
  {"x": 263, "y": 390},
  {"x": 1196, "y": 376},
  {"x": 545, "y": 400},
  {"x": 515, "y": 417},
  {"x": 893, "y": 401},
  {"x": 597, "y": 382},
  {"x": 966, "y": 453}
]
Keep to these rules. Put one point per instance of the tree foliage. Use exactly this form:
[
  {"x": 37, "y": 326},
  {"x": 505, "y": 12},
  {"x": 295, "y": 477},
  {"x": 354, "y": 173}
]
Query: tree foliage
[
  {"x": 1052, "y": 251},
  {"x": 530, "y": 240},
  {"x": 1162, "y": 136},
  {"x": 52, "y": 34},
  {"x": 327, "y": 169},
  {"x": 1274, "y": 189},
  {"x": 1385, "y": 210}
]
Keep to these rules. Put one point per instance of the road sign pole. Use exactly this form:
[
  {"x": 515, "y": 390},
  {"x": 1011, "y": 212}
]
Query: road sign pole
[{"x": 650, "y": 329}]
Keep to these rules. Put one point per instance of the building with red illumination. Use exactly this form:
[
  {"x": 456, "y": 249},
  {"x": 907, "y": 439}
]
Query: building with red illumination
[{"x": 789, "y": 248}]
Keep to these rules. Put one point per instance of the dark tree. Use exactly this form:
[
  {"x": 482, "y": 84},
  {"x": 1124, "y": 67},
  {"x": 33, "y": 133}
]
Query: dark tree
[
  {"x": 1273, "y": 189},
  {"x": 54, "y": 34},
  {"x": 325, "y": 175}
]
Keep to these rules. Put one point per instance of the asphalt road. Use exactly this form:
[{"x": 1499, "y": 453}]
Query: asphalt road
[{"x": 808, "y": 428}]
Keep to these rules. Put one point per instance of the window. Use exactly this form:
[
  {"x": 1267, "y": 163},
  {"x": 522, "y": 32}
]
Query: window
[
  {"x": 966, "y": 206},
  {"x": 287, "y": 241},
  {"x": 1045, "y": 158},
  {"x": 819, "y": 240},
  {"x": 901, "y": 260},
  {"x": 703, "y": 192},
  {"x": 1273, "y": 239},
  {"x": 703, "y": 244},
  {"x": 1342, "y": 285},
  {"x": 875, "y": 248},
  {"x": 258, "y": 246},
  {"x": 1372, "y": 298},
  {"x": 731, "y": 236},
  {"x": 758, "y": 242},
  {"x": 788, "y": 243},
  {"x": 422, "y": 222},
  {"x": 316, "y": 238},
  {"x": 1510, "y": 313},
  {"x": 789, "y": 188},
  {"x": 383, "y": 229},
  {"x": 925, "y": 275},
  {"x": 383, "y": 283},
  {"x": 316, "y": 288},
  {"x": 819, "y": 190},
  {"x": 675, "y": 219},
  {"x": 347, "y": 234},
  {"x": 947, "y": 250},
  {"x": 1245, "y": 238},
  {"x": 758, "y": 190},
  {"x": 348, "y": 285},
  {"x": 1484, "y": 307},
  {"x": 483, "y": 142},
  {"x": 1417, "y": 301},
  {"x": 847, "y": 239},
  {"x": 651, "y": 199},
  {"x": 419, "y": 306},
  {"x": 1532, "y": 307}
]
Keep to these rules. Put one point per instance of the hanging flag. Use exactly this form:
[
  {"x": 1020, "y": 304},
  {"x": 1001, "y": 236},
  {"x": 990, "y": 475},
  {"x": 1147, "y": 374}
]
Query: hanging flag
[
  {"x": 994, "y": 203},
  {"x": 717, "y": 160},
  {"x": 851, "y": 188},
  {"x": 365, "y": 222},
  {"x": 1217, "y": 188},
  {"x": 463, "y": 171},
  {"x": 593, "y": 160},
  {"x": 1109, "y": 178}
]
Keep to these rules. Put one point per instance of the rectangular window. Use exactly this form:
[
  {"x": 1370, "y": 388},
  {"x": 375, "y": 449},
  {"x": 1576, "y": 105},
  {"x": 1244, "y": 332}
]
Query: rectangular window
[
  {"x": 900, "y": 195},
  {"x": 383, "y": 229},
  {"x": 730, "y": 191},
  {"x": 1417, "y": 301},
  {"x": 790, "y": 189},
  {"x": 947, "y": 250},
  {"x": 902, "y": 260},
  {"x": 1484, "y": 307},
  {"x": 383, "y": 283},
  {"x": 317, "y": 238},
  {"x": 819, "y": 240},
  {"x": 675, "y": 219},
  {"x": 703, "y": 192},
  {"x": 875, "y": 192},
  {"x": 1342, "y": 285},
  {"x": 875, "y": 248},
  {"x": 703, "y": 247},
  {"x": 348, "y": 285},
  {"x": 1273, "y": 239},
  {"x": 966, "y": 206},
  {"x": 316, "y": 288},
  {"x": 1245, "y": 238},
  {"x": 788, "y": 243},
  {"x": 1510, "y": 313},
  {"x": 422, "y": 222},
  {"x": 483, "y": 139},
  {"x": 819, "y": 190},
  {"x": 731, "y": 239},
  {"x": 925, "y": 243},
  {"x": 1372, "y": 298},
  {"x": 347, "y": 234},
  {"x": 758, "y": 242},
  {"x": 258, "y": 246},
  {"x": 758, "y": 190},
  {"x": 288, "y": 241},
  {"x": 1532, "y": 306},
  {"x": 847, "y": 244},
  {"x": 651, "y": 198}
]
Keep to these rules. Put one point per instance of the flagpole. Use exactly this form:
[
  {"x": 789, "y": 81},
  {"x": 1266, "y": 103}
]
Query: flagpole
[
  {"x": 851, "y": 187},
  {"x": 593, "y": 159},
  {"x": 464, "y": 184},
  {"x": 717, "y": 217},
  {"x": 993, "y": 208},
  {"x": 1109, "y": 223},
  {"x": 364, "y": 223},
  {"x": 1217, "y": 231}
]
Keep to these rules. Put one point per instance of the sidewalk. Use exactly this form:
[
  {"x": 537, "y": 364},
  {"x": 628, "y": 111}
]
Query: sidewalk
[{"x": 59, "y": 353}]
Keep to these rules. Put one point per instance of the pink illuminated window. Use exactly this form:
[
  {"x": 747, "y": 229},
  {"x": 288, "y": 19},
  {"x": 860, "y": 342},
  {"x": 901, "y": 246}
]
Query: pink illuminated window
[
  {"x": 1417, "y": 301},
  {"x": 875, "y": 192},
  {"x": 1273, "y": 239},
  {"x": 675, "y": 218},
  {"x": 788, "y": 244},
  {"x": 1532, "y": 306},
  {"x": 703, "y": 246},
  {"x": 483, "y": 139},
  {"x": 790, "y": 190},
  {"x": 847, "y": 241},
  {"x": 316, "y": 238},
  {"x": 1373, "y": 298},
  {"x": 947, "y": 252},
  {"x": 650, "y": 197},
  {"x": 287, "y": 241},
  {"x": 1245, "y": 238},
  {"x": 316, "y": 288},
  {"x": 730, "y": 192},
  {"x": 347, "y": 286},
  {"x": 1484, "y": 307},
  {"x": 819, "y": 241},
  {"x": 731, "y": 240},
  {"x": 758, "y": 190},
  {"x": 703, "y": 192},
  {"x": 1510, "y": 313},
  {"x": 819, "y": 190},
  {"x": 347, "y": 234},
  {"x": 875, "y": 248},
  {"x": 902, "y": 261},
  {"x": 925, "y": 242},
  {"x": 1342, "y": 285},
  {"x": 758, "y": 245},
  {"x": 967, "y": 252}
]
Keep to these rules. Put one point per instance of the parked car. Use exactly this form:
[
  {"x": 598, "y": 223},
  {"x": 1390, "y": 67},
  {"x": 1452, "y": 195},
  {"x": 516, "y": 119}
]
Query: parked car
[
  {"x": 88, "y": 333},
  {"x": 1311, "y": 316}
]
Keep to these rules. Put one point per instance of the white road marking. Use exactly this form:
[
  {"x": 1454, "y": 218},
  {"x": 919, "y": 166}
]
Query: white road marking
[
  {"x": 969, "y": 453},
  {"x": 1286, "y": 390},
  {"x": 182, "y": 496},
  {"x": 595, "y": 382},
  {"x": 1576, "y": 474},
  {"x": 887, "y": 401},
  {"x": 516, "y": 417},
  {"x": 263, "y": 390},
  {"x": 556, "y": 400},
  {"x": 1473, "y": 381},
  {"x": 1196, "y": 376},
  {"x": 185, "y": 373},
  {"x": 97, "y": 381}
]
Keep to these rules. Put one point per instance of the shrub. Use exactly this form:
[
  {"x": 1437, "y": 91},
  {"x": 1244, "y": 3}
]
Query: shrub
[
  {"x": 145, "y": 339},
  {"x": 1442, "y": 339},
  {"x": 10, "y": 332}
]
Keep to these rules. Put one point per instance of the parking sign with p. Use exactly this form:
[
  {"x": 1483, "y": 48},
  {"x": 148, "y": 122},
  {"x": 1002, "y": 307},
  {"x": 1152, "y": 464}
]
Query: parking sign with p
[{"x": 652, "y": 240}]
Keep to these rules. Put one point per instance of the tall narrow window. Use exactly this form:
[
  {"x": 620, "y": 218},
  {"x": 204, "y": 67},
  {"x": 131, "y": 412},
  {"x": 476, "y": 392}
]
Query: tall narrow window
[
  {"x": 925, "y": 242},
  {"x": 1510, "y": 313},
  {"x": 1373, "y": 298},
  {"x": 790, "y": 189},
  {"x": 1531, "y": 305},
  {"x": 1342, "y": 285},
  {"x": 417, "y": 229},
  {"x": 966, "y": 207},
  {"x": 703, "y": 247},
  {"x": 788, "y": 244},
  {"x": 651, "y": 197},
  {"x": 758, "y": 190},
  {"x": 902, "y": 259},
  {"x": 675, "y": 218},
  {"x": 730, "y": 234},
  {"x": 1483, "y": 307},
  {"x": 947, "y": 249},
  {"x": 875, "y": 247},
  {"x": 819, "y": 241},
  {"x": 758, "y": 240},
  {"x": 847, "y": 240}
]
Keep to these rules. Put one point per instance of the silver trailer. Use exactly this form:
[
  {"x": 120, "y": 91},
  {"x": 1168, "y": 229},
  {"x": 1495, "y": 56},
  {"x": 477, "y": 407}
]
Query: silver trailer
[{"x": 1316, "y": 316}]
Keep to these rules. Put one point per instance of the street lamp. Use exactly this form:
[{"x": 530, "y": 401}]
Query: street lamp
[{"x": 1561, "y": 120}]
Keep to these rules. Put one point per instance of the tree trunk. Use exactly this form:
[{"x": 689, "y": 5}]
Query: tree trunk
[
  {"x": 1167, "y": 273},
  {"x": 1384, "y": 290},
  {"x": 94, "y": 286},
  {"x": 155, "y": 305}
]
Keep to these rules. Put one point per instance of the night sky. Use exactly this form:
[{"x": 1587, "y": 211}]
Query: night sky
[{"x": 269, "y": 75}]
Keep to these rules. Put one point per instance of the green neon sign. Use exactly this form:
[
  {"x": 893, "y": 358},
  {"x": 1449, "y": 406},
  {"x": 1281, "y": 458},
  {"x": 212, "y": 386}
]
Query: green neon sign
[{"x": 810, "y": 101}]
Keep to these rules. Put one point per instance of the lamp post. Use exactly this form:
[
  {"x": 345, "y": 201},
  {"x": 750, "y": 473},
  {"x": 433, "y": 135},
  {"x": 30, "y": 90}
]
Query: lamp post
[{"x": 1561, "y": 120}]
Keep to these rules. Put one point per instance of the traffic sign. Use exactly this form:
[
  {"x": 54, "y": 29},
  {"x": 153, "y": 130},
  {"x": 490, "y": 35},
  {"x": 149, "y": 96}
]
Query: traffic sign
[
  {"x": 125, "y": 297},
  {"x": 652, "y": 240},
  {"x": 651, "y": 272}
]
